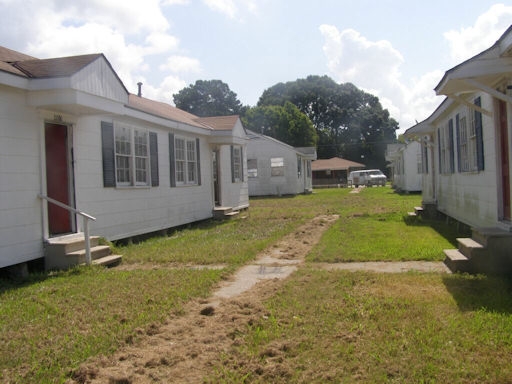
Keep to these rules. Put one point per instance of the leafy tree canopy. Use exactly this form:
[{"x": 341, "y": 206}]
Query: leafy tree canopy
[
  {"x": 285, "y": 123},
  {"x": 208, "y": 98},
  {"x": 350, "y": 123}
]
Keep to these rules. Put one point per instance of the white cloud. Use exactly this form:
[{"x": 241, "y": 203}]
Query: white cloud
[
  {"x": 469, "y": 41},
  {"x": 226, "y": 7},
  {"x": 374, "y": 66},
  {"x": 232, "y": 8},
  {"x": 129, "y": 32},
  {"x": 181, "y": 64}
]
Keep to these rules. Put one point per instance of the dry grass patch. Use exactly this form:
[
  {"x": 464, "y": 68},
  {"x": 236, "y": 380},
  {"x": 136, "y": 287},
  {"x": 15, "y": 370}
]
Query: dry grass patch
[{"x": 345, "y": 327}]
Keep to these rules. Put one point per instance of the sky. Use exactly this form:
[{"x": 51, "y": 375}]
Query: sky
[{"x": 397, "y": 50}]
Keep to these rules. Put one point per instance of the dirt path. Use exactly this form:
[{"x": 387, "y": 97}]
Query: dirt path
[{"x": 184, "y": 349}]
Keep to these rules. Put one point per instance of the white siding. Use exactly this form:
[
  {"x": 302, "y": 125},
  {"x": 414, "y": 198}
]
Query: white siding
[
  {"x": 98, "y": 79},
  {"x": 471, "y": 197},
  {"x": 20, "y": 209},
  {"x": 265, "y": 184},
  {"x": 123, "y": 212},
  {"x": 232, "y": 194}
]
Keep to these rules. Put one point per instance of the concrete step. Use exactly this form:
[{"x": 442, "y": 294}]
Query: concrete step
[
  {"x": 469, "y": 247},
  {"x": 97, "y": 252},
  {"x": 70, "y": 243},
  {"x": 492, "y": 235},
  {"x": 108, "y": 261},
  {"x": 456, "y": 261},
  {"x": 418, "y": 210}
]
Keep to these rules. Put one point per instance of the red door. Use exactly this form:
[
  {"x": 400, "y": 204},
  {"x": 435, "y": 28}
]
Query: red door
[
  {"x": 504, "y": 159},
  {"x": 57, "y": 177}
]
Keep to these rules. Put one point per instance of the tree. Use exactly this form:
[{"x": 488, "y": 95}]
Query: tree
[
  {"x": 208, "y": 98},
  {"x": 350, "y": 123},
  {"x": 284, "y": 123}
]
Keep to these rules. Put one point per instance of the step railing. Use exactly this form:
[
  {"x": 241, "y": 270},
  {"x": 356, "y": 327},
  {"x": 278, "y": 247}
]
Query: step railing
[{"x": 85, "y": 217}]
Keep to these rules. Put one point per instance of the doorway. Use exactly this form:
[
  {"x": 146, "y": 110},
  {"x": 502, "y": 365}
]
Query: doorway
[{"x": 58, "y": 178}]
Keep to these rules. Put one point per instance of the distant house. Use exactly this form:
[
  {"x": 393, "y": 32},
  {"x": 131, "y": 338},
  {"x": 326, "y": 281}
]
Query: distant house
[
  {"x": 75, "y": 143},
  {"x": 333, "y": 172},
  {"x": 276, "y": 168},
  {"x": 466, "y": 152},
  {"x": 406, "y": 166}
]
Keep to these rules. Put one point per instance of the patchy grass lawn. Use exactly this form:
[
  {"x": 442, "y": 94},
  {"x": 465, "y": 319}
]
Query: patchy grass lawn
[
  {"x": 324, "y": 325},
  {"x": 346, "y": 327}
]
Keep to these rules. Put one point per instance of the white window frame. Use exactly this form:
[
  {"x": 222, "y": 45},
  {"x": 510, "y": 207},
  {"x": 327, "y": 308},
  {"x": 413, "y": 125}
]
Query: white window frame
[
  {"x": 252, "y": 168},
  {"x": 132, "y": 157},
  {"x": 446, "y": 150},
  {"x": 237, "y": 163},
  {"x": 185, "y": 157},
  {"x": 467, "y": 141},
  {"x": 277, "y": 166}
]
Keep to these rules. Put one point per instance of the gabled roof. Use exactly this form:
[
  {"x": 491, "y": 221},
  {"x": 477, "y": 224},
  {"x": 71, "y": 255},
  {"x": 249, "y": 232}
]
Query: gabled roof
[
  {"x": 164, "y": 110},
  {"x": 483, "y": 69},
  {"x": 307, "y": 152},
  {"x": 334, "y": 164},
  {"x": 219, "y": 123},
  {"x": 8, "y": 56},
  {"x": 58, "y": 67}
]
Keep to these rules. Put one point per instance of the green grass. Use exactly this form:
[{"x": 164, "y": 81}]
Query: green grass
[
  {"x": 51, "y": 323},
  {"x": 374, "y": 226},
  {"x": 345, "y": 327}
]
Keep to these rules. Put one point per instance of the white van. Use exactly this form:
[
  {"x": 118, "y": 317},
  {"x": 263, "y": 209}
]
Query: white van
[{"x": 368, "y": 177}]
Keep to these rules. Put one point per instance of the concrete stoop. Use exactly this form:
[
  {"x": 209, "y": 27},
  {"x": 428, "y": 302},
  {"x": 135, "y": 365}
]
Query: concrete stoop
[
  {"x": 222, "y": 213},
  {"x": 64, "y": 252},
  {"x": 489, "y": 250},
  {"x": 418, "y": 211}
]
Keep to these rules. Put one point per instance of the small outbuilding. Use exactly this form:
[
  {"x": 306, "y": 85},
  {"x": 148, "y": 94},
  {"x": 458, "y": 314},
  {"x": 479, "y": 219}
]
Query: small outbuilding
[
  {"x": 333, "y": 172},
  {"x": 406, "y": 166},
  {"x": 276, "y": 168}
]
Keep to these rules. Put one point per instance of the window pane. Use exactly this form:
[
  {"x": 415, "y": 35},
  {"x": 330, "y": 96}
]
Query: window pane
[
  {"x": 180, "y": 171},
  {"x": 277, "y": 166}
]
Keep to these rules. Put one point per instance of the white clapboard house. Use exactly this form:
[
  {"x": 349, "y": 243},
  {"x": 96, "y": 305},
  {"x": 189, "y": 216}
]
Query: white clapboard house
[
  {"x": 81, "y": 157},
  {"x": 466, "y": 148},
  {"x": 275, "y": 168},
  {"x": 406, "y": 166}
]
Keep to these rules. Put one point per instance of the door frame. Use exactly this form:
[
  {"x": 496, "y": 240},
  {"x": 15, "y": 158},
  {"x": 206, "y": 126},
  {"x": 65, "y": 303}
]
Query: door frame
[
  {"x": 70, "y": 176},
  {"x": 503, "y": 146},
  {"x": 216, "y": 177}
]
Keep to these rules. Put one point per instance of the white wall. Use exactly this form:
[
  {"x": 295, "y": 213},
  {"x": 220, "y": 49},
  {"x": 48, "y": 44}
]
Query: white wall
[
  {"x": 232, "y": 194},
  {"x": 265, "y": 184},
  {"x": 20, "y": 208},
  {"x": 123, "y": 212},
  {"x": 470, "y": 197}
]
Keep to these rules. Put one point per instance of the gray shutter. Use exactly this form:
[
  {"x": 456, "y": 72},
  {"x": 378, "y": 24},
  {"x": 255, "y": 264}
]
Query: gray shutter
[
  {"x": 232, "y": 166},
  {"x": 198, "y": 153},
  {"x": 457, "y": 129},
  {"x": 108, "y": 154},
  {"x": 479, "y": 136},
  {"x": 153, "y": 153},
  {"x": 172, "y": 160}
]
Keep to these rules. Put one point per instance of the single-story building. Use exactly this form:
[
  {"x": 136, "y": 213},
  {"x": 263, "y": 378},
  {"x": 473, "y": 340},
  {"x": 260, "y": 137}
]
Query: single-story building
[
  {"x": 406, "y": 166},
  {"x": 276, "y": 168},
  {"x": 80, "y": 153},
  {"x": 333, "y": 172},
  {"x": 466, "y": 148}
]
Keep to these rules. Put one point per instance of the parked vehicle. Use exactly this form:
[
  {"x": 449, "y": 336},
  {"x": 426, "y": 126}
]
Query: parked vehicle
[{"x": 367, "y": 177}]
